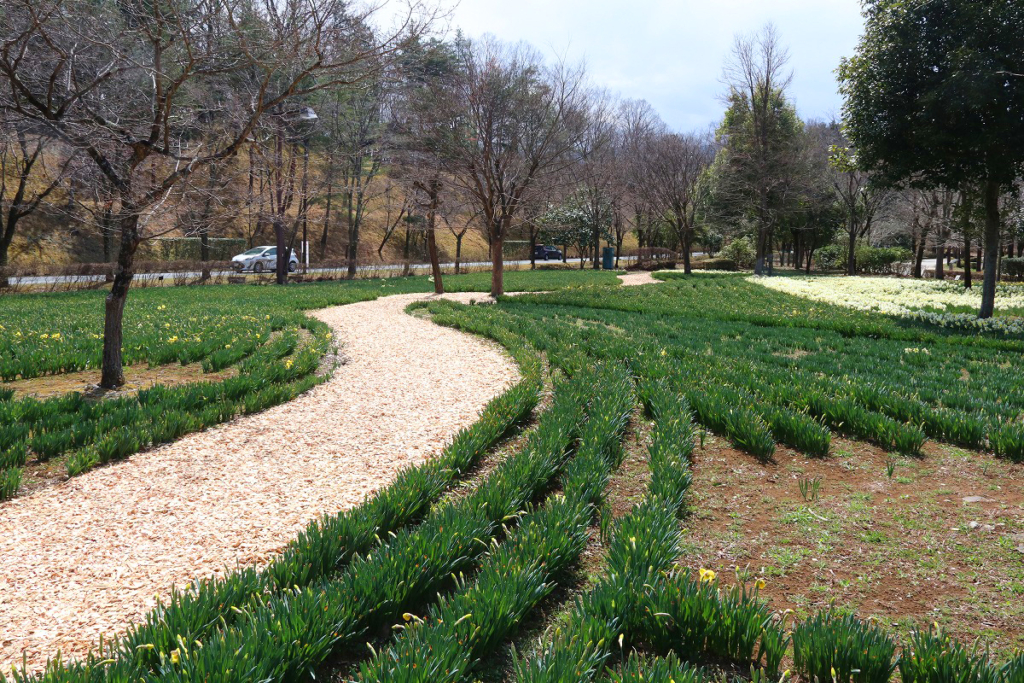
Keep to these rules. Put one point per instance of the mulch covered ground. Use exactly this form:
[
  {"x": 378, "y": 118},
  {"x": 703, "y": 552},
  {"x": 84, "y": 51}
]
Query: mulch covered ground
[{"x": 90, "y": 555}]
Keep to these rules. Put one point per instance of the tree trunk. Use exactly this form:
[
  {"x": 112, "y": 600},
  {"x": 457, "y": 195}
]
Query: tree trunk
[
  {"x": 967, "y": 262},
  {"x": 810, "y": 258},
  {"x": 919, "y": 257},
  {"x": 435, "y": 263},
  {"x": 851, "y": 251},
  {"x": 281, "y": 265},
  {"x": 112, "y": 368},
  {"x": 6, "y": 237},
  {"x": 405, "y": 253},
  {"x": 497, "y": 261},
  {"x": 759, "y": 259},
  {"x": 204, "y": 252},
  {"x": 686, "y": 254},
  {"x": 533, "y": 249},
  {"x": 327, "y": 220},
  {"x": 940, "y": 256},
  {"x": 458, "y": 253},
  {"x": 5, "y": 245},
  {"x": 988, "y": 288},
  {"x": 352, "y": 251}
]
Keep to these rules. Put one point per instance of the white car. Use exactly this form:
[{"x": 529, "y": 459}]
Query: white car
[{"x": 260, "y": 259}]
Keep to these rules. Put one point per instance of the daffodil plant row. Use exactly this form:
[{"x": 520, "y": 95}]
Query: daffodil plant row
[
  {"x": 647, "y": 620},
  {"x": 272, "y": 347},
  {"x": 285, "y": 631},
  {"x": 260, "y": 334},
  {"x": 410, "y": 587},
  {"x": 941, "y": 302},
  {"x": 762, "y": 367}
]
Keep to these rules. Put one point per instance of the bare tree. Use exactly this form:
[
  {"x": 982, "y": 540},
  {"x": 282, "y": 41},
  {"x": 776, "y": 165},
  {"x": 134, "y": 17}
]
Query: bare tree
[
  {"x": 122, "y": 82},
  {"x": 674, "y": 165},
  {"x": 519, "y": 124},
  {"x": 860, "y": 199},
  {"x": 396, "y": 209},
  {"x": 458, "y": 215},
  {"x": 640, "y": 126},
  {"x": 359, "y": 148},
  {"x": 594, "y": 179},
  {"x": 424, "y": 119},
  {"x": 23, "y": 152}
]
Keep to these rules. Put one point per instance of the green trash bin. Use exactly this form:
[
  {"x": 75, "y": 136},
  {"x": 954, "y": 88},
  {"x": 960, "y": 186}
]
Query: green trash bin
[{"x": 608, "y": 258}]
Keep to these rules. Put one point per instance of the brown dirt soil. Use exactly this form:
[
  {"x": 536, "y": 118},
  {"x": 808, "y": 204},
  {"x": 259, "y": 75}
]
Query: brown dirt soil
[
  {"x": 137, "y": 378},
  {"x": 908, "y": 550}
]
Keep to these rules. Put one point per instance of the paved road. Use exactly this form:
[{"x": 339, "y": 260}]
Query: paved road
[{"x": 389, "y": 267}]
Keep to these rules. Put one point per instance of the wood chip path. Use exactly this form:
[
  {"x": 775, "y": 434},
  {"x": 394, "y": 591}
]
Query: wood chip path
[{"x": 89, "y": 556}]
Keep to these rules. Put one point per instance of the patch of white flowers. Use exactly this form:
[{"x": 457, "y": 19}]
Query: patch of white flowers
[{"x": 925, "y": 300}]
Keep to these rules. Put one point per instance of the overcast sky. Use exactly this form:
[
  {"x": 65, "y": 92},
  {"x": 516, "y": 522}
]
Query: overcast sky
[{"x": 671, "y": 52}]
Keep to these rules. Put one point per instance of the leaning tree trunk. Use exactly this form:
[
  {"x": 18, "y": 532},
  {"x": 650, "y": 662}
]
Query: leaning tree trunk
[
  {"x": 112, "y": 367},
  {"x": 988, "y": 287}
]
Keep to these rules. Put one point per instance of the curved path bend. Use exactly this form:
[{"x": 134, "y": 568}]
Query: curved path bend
[{"x": 91, "y": 555}]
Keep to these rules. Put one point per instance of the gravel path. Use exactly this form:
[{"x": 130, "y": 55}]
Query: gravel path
[
  {"x": 89, "y": 556},
  {"x": 640, "y": 277}
]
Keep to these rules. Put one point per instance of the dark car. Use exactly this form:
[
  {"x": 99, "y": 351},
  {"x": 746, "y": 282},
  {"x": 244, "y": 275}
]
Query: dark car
[{"x": 547, "y": 253}]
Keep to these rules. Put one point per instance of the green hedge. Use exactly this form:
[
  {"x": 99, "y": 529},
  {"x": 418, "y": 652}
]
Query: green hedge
[
  {"x": 872, "y": 260},
  {"x": 715, "y": 264},
  {"x": 1014, "y": 267},
  {"x": 881, "y": 260}
]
